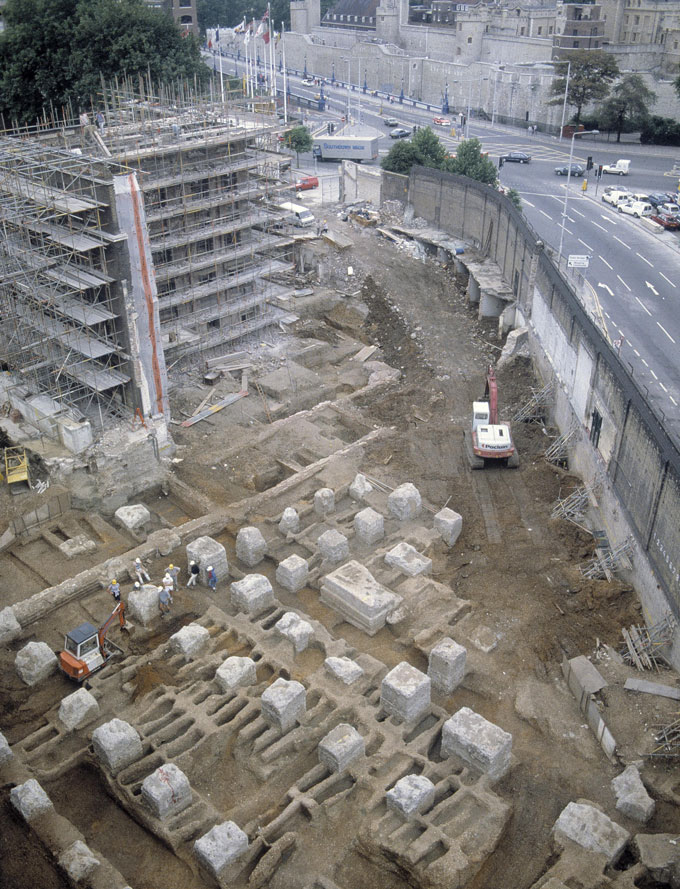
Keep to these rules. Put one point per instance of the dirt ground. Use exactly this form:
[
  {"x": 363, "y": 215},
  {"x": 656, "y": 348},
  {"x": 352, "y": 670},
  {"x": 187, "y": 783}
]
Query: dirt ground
[{"x": 518, "y": 567}]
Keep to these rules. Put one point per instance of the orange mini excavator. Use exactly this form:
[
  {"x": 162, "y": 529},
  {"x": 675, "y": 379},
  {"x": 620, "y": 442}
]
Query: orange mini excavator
[{"x": 86, "y": 649}]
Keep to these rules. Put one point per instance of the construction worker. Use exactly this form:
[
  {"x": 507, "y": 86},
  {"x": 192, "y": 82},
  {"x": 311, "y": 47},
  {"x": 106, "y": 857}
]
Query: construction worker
[
  {"x": 140, "y": 571},
  {"x": 212, "y": 578},
  {"x": 173, "y": 572},
  {"x": 168, "y": 583},
  {"x": 194, "y": 571},
  {"x": 165, "y": 600},
  {"x": 114, "y": 589}
]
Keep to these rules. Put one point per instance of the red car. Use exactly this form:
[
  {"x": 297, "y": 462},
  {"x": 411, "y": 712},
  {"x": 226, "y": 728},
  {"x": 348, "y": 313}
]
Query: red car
[
  {"x": 666, "y": 220},
  {"x": 306, "y": 183}
]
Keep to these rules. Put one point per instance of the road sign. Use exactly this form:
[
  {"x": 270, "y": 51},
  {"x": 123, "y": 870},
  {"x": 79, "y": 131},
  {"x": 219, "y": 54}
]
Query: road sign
[{"x": 575, "y": 261}]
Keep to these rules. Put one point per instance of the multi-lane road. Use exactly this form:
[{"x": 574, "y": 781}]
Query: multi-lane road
[{"x": 632, "y": 276}]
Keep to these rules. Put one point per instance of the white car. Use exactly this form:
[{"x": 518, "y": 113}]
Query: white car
[
  {"x": 635, "y": 208},
  {"x": 614, "y": 197}
]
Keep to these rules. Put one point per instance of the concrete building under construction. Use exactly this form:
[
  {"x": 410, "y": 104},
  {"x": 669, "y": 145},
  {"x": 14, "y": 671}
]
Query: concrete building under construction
[{"x": 145, "y": 235}]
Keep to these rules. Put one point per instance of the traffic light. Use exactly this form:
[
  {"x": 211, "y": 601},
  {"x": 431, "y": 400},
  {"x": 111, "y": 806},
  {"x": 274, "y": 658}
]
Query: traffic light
[
  {"x": 589, "y": 163},
  {"x": 329, "y": 128},
  {"x": 599, "y": 172}
]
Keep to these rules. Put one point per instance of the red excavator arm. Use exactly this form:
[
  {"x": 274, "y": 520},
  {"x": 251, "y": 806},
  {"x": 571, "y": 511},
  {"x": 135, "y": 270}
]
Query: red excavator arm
[
  {"x": 119, "y": 611},
  {"x": 491, "y": 395}
]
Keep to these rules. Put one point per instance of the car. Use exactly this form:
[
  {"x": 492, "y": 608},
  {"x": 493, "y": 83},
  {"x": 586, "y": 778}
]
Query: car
[
  {"x": 441, "y": 121},
  {"x": 664, "y": 220},
  {"x": 635, "y": 208},
  {"x": 669, "y": 209},
  {"x": 620, "y": 188},
  {"x": 308, "y": 81},
  {"x": 400, "y": 133},
  {"x": 306, "y": 183},
  {"x": 615, "y": 196},
  {"x": 391, "y": 122},
  {"x": 516, "y": 157},
  {"x": 576, "y": 170},
  {"x": 657, "y": 198}
]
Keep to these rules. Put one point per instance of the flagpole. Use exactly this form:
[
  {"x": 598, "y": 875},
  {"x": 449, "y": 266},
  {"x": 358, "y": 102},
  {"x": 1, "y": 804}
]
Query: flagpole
[
  {"x": 285, "y": 74},
  {"x": 219, "y": 53},
  {"x": 272, "y": 81}
]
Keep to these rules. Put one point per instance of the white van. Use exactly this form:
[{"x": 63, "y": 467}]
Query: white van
[{"x": 299, "y": 214}]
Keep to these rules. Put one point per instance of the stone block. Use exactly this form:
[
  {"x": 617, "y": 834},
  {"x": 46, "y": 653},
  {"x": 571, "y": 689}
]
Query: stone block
[
  {"x": 478, "y": 742},
  {"x": 251, "y": 546},
  {"x": 589, "y": 677},
  {"x": 116, "y": 745},
  {"x": 30, "y": 800},
  {"x": 78, "y": 861},
  {"x": 659, "y": 854},
  {"x": 298, "y": 631},
  {"x": 369, "y": 526},
  {"x": 333, "y": 546},
  {"x": 290, "y": 521},
  {"x": 591, "y": 829},
  {"x": 205, "y": 552},
  {"x": 405, "y": 503},
  {"x": 340, "y": 747},
  {"x": 143, "y": 604},
  {"x": 405, "y": 692},
  {"x": 448, "y": 524},
  {"x": 253, "y": 594},
  {"x": 10, "y": 628},
  {"x": 353, "y": 592},
  {"x": 35, "y": 662},
  {"x": 292, "y": 573},
  {"x": 632, "y": 798},
  {"x": 189, "y": 641},
  {"x": 5, "y": 750},
  {"x": 221, "y": 847},
  {"x": 484, "y": 639},
  {"x": 236, "y": 672},
  {"x": 360, "y": 487},
  {"x": 133, "y": 517},
  {"x": 408, "y": 560},
  {"x": 166, "y": 791},
  {"x": 446, "y": 664},
  {"x": 324, "y": 501},
  {"x": 284, "y": 703},
  {"x": 80, "y": 545},
  {"x": 344, "y": 669},
  {"x": 410, "y": 795},
  {"x": 78, "y": 709}
]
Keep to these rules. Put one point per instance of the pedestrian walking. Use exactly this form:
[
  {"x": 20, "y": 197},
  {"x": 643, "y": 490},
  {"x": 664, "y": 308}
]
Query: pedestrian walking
[
  {"x": 114, "y": 589},
  {"x": 212, "y": 578},
  {"x": 141, "y": 572},
  {"x": 173, "y": 572},
  {"x": 165, "y": 601},
  {"x": 194, "y": 571}
]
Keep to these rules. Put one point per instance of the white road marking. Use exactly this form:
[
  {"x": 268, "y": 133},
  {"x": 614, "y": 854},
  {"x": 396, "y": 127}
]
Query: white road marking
[
  {"x": 587, "y": 246},
  {"x": 645, "y": 363},
  {"x": 666, "y": 279},
  {"x": 545, "y": 214},
  {"x": 528, "y": 202},
  {"x": 622, "y": 242},
  {"x": 662, "y": 386},
  {"x": 673, "y": 400},
  {"x": 652, "y": 288},
  {"x": 606, "y": 313},
  {"x": 653, "y": 374},
  {"x": 567, "y": 231},
  {"x": 624, "y": 283},
  {"x": 579, "y": 212},
  {"x": 603, "y": 216},
  {"x": 599, "y": 226},
  {"x": 666, "y": 332},
  {"x": 621, "y": 333},
  {"x": 645, "y": 260},
  {"x": 608, "y": 289},
  {"x": 644, "y": 306},
  {"x": 637, "y": 354},
  {"x": 606, "y": 263}
]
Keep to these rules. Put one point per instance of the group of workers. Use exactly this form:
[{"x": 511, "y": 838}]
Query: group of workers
[{"x": 168, "y": 584}]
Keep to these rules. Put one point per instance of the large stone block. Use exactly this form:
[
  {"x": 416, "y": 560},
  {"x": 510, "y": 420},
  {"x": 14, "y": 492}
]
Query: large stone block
[
  {"x": 658, "y": 853},
  {"x": 78, "y": 861},
  {"x": 190, "y": 641},
  {"x": 253, "y": 594},
  {"x": 220, "y": 848},
  {"x": 477, "y": 742},
  {"x": 448, "y": 524},
  {"x": 251, "y": 547},
  {"x": 290, "y": 521},
  {"x": 632, "y": 798},
  {"x": 133, "y": 517},
  {"x": 324, "y": 501},
  {"x": 116, "y": 745},
  {"x": 590, "y": 828},
  {"x": 166, "y": 791},
  {"x": 369, "y": 526},
  {"x": 410, "y": 795},
  {"x": 340, "y": 747},
  {"x": 206, "y": 552},
  {"x": 292, "y": 573},
  {"x": 446, "y": 664},
  {"x": 5, "y": 750},
  {"x": 344, "y": 669},
  {"x": 360, "y": 487},
  {"x": 407, "y": 559},
  {"x": 292, "y": 627},
  {"x": 30, "y": 800},
  {"x": 10, "y": 628},
  {"x": 284, "y": 703},
  {"x": 333, "y": 546},
  {"x": 353, "y": 592},
  {"x": 405, "y": 503},
  {"x": 78, "y": 708},
  {"x": 143, "y": 604},
  {"x": 236, "y": 672},
  {"x": 405, "y": 692},
  {"x": 35, "y": 662}
]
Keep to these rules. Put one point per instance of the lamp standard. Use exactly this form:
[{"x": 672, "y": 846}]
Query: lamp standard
[
  {"x": 566, "y": 190},
  {"x": 445, "y": 103},
  {"x": 467, "y": 119},
  {"x": 564, "y": 106}
]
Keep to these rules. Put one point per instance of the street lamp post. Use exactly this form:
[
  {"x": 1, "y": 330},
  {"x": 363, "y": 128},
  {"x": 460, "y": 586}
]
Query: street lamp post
[
  {"x": 445, "y": 103},
  {"x": 566, "y": 190},
  {"x": 564, "y": 106},
  {"x": 467, "y": 119}
]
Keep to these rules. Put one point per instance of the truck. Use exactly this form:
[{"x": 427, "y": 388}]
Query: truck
[
  {"x": 340, "y": 148},
  {"x": 620, "y": 168},
  {"x": 297, "y": 214}
]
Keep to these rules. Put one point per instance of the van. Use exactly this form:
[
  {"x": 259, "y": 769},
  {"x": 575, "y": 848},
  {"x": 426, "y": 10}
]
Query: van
[
  {"x": 635, "y": 208},
  {"x": 620, "y": 168},
  {"x": 298, "y": 213},
  {"x": 614, "y": 197}
]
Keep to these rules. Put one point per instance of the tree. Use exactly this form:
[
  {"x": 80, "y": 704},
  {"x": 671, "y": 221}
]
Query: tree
[
  {"x": 430, "y": 148},
  {"x": 627, "y": 108},
  {"x": 55, "y": 52},
  {"x": 299, "y": 140},
  {"x": 401, "y": 157},
  {"x": 230, "y": 13},
  {"x": 469, "y": 161},
  {"x": 660, "y": 131},
  {"x": 514, "y": 196},
  {"x": 592, "y": 70}
]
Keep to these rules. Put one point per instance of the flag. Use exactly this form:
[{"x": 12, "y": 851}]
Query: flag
[
  {"x": 266, "y": 15},
  {"x": 277, "y": 37},
  {"x": 265, "y": 36},
  {"x": 260, "y": 29},
  {"x": 210, "y": 44},
  {"x": 239, "y": 29},
  {"x": 217, "y": 36},
  {"x": 246, "y": 39}
]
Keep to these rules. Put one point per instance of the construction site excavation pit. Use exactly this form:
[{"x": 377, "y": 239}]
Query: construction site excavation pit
[{"x": 374, "y": 678}]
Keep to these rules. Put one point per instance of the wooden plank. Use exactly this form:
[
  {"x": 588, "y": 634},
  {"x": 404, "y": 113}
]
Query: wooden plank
[
  {"x": 365, "y": 353},
  {"x": 204, "y": 402},
  {"x": 230, "y": 399},
  {"x": 226, "y": 359},
  {"x": 652, "y": 688}
]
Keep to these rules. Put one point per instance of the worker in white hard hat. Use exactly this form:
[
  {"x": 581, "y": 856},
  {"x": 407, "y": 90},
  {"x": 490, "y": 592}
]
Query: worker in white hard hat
[
  {"x": 141, "y": 572},
  {"x": 168, "y": 583},
  {"x": 212, "y": 578},
  {"x": 194, "y": 571},
  {"x": 173, "y": 572}
]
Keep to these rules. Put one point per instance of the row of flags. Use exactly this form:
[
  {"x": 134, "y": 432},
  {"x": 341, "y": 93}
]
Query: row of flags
[{"x": 250, "y": 31}]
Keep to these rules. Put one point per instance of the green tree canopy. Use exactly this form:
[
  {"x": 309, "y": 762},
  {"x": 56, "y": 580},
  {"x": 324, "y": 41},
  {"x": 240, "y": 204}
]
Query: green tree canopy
[
  {"x": 229, "y": 13},
  {"x": 469, "y": 161},
  {"x": 299, "y": 139},
  {"x": 54, "y": 52},
  {"x": 430, "y": 148},
  {"x": 592, "y": 71},
  {"x": 627, "y": 107},
  {"x": 401, "y": 157}
]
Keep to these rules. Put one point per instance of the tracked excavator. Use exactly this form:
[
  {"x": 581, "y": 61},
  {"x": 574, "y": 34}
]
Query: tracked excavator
[
  {"x": 489, "y": 443},
  {"x": 87, "y": 649}
]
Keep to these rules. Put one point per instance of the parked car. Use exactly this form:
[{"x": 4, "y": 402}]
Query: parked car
[
  {"x": 665, "y": 220},
  {"x": 576, "y": 170},
  {"x": 614, "y": 196},
  {"x": 441, "y": 121},
  {"x": 657, "y": 198},
  {"x": 400, "y": 133},
  {"x": 516, "y": 157},
  {"x": 306, "y": 183},
  {"x": 391, "y": 122},
  {"x": 669, "y": 208},
  {"x": 635, "y": 208}
]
